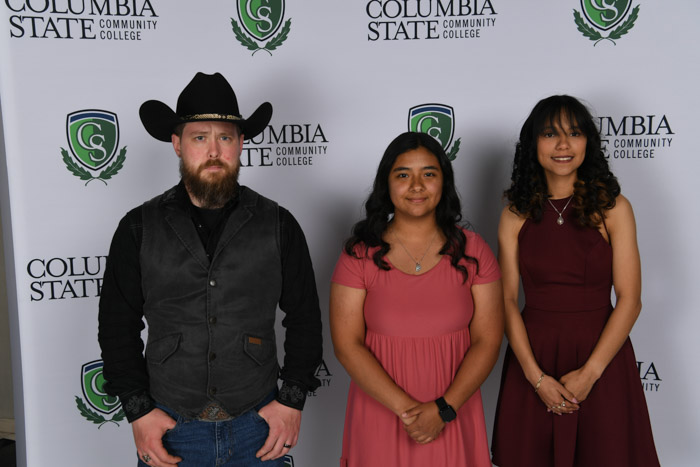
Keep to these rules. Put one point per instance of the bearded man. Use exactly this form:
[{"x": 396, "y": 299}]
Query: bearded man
[{"x": 206, "y": 264}]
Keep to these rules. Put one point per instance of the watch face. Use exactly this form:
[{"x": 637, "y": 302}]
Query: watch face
[{"x": 448, "y": 414}]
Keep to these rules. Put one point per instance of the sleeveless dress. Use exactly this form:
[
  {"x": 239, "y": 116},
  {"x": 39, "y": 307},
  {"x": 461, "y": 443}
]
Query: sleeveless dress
[
  {"x": 566, "y": 272},
  {"x": 418, "y": 330}
]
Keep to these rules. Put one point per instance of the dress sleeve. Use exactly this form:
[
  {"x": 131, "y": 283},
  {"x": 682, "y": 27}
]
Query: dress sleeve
[
  {"x": 488, "y": 265},
  {"x": 349, "y": 271}
]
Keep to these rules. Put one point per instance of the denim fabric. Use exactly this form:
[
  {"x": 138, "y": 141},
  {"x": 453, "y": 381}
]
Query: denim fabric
[{"x": 231, "y": 443}]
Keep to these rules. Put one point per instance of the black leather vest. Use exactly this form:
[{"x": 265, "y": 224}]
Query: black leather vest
[{"x": 211, "y": 333}]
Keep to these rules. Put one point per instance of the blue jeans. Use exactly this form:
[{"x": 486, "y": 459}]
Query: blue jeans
[{"x": 231, "y": 443}]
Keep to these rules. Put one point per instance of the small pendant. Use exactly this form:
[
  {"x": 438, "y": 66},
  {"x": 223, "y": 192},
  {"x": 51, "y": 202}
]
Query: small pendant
[
  {"x": 417, "y": 267},
  {"x": 560, "y": 221}
]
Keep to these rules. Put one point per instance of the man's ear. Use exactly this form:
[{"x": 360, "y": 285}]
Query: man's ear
[{"x": 176, "y": 144}]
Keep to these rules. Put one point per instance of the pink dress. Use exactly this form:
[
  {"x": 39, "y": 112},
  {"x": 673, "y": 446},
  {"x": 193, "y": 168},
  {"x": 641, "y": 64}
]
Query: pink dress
[{"x": 418, "y": 330}]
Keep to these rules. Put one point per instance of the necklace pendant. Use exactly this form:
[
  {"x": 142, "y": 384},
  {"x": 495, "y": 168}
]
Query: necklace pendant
[
  {"x": 560, "y": 221},
  {"x": 418, "y": 268}
]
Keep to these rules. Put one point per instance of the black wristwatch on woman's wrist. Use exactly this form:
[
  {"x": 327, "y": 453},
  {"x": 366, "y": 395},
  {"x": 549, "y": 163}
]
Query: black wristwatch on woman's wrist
[{"x": 447, "y": 413}]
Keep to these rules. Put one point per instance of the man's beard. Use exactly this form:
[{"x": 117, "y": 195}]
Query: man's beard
[{"x": 214, "y": 193}]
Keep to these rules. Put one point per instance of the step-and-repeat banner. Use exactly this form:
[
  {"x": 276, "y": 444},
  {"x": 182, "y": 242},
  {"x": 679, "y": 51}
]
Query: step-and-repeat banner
[{"x": 344, "y": 78}]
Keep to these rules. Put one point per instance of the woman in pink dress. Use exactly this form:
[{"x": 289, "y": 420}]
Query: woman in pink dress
[
  {"x": 570, "y": 391},
  {"x": 416, "y": 314}
]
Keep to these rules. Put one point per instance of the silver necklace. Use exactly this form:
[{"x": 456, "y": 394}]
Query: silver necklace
[
  {"x": 418, "y": 266},
  {"x": 560, "y": 221}
]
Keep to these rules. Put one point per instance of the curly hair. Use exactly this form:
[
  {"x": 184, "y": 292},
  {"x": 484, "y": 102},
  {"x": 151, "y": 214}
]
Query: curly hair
[
  {"x": 379, "y": 208},
  {"x": 596, "y": 188}
]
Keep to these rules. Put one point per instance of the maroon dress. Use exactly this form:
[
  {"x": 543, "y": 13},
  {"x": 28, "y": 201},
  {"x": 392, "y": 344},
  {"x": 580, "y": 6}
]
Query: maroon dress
[{"x": 566, "y": 272}]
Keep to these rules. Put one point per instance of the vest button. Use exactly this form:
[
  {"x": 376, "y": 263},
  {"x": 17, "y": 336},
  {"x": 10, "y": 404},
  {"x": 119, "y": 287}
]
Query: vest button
[
  {"x": 212, "y": 391},
  {"x": 212, "y": 320},
  {"x": 212, "y": 357},
  {"x": 212, "y": 283}
]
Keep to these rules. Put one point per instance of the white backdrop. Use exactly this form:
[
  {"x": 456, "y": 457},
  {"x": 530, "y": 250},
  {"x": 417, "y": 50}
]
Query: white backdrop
[{"x": 341, "y": 77}]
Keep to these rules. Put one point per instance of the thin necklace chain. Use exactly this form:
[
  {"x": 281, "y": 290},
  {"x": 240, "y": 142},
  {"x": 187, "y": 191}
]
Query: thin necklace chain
[
  {"x": 560, "y": 220},
  {"x": 418, "y": 263}
]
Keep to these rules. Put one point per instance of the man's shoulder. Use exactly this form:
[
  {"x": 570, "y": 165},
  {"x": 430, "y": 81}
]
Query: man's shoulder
[
  {"x": 250, "y": 197},
  {"x": 169, "y": 195}
]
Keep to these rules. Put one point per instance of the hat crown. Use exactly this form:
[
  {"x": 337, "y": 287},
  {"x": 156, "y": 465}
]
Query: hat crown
[
  {"x": 207, "y": 94},
  {"x": 205, "y": 98}
]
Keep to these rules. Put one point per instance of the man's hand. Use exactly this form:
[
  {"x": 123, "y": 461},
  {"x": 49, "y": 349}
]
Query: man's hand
[
  {"x": 284, "y": 423},
  {"x": 148, "y": 437}
]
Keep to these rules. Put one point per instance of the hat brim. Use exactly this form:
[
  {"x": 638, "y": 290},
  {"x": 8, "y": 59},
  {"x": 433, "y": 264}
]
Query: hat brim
[{"x": 160, "y": 120}]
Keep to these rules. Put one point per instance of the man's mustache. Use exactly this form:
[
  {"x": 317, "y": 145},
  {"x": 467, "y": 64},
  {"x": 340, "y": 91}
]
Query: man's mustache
[{"x": 211, "y": 163}]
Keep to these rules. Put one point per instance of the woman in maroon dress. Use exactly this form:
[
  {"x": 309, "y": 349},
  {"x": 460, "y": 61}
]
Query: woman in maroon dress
[
  {"x": 570, "y": 390},
  {"x": 416, "y": 310}
]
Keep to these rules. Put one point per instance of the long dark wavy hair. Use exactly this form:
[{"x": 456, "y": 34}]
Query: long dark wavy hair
[
  {"x": 379, "y": 207},
  {"x": 596, "y": 188}
]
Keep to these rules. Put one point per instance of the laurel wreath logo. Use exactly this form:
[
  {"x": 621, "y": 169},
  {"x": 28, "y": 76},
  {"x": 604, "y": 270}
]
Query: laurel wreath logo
[
  {"x": 250, "y": 44},
  {"x": 112, "y": 170},
  {"x": 96, "y": 418},
  {"x": 616, "y": 33},
  {"x": 452, "y": 155}
]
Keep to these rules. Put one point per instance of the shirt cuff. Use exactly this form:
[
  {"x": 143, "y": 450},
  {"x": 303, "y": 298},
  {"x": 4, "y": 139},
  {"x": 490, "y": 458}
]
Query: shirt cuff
[
  {"x": 292, "y": 395},
  {"x": 136, "y": 404}
]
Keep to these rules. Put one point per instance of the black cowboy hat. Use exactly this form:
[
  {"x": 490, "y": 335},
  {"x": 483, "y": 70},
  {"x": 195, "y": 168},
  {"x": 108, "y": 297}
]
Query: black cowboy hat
[{"x": 205, "y": 98}]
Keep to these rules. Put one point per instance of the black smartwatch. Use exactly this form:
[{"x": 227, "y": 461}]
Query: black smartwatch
[{"x": 447, "y": 413}]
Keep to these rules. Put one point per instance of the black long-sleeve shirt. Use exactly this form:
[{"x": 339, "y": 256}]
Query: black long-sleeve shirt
[{"x": 121, "y": 307}]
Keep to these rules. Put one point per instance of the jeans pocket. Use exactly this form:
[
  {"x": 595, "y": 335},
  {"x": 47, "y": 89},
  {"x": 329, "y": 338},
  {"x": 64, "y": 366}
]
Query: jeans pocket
[{"x": 256, "y": 417}]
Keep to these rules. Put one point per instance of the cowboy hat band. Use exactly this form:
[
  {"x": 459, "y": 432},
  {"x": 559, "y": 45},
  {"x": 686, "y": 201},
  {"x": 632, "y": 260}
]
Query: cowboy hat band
[{"x": 205, "y": 98}]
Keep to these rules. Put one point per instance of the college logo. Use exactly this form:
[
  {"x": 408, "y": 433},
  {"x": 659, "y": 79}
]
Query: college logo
[
  {"x": 92, "y": 383},
  {"x": 602, "y": 15},
  {"x": 649, "y": 375},
  {"x": 410, "y": 20},
  {"x": 106, "y": 20},
  {"x": 93, "y": 138},
  {"x": 635, "y": 136},
  {"x": 324, "y": 375},
  {"x": 66, "y": 278},
  {"x": 260, "y": 20},
  {"x": 294, "y": 144},
  {"x": 438, "y": 121}
]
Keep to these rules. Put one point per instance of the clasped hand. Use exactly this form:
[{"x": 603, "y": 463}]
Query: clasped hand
[
  {"x": 565, "y": 395},
  {"x": 423, "y": 423}
]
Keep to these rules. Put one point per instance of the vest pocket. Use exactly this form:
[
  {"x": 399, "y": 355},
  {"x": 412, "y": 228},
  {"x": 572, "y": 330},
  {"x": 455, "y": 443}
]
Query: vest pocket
[
  {"x": 160, "y": 350},
  {"x": 261, "y": 350}
]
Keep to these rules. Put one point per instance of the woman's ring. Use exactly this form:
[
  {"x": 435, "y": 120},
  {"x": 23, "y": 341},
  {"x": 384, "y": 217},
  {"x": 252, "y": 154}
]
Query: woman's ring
[
  {"x": 563, "y": 404},
  {"x": 287, "y": 445},
  {"x": 146, "y": 458}
]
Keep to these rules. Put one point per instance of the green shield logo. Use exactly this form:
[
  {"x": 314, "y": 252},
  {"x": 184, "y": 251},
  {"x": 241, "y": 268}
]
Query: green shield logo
[
  {"x": 93, "y": 388},
  {"x": 437, "y": 120},
  {"x": 261, "y": 18},
  {"x": 93, "y": 136},
  {"x": 605, "y": 14}
]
